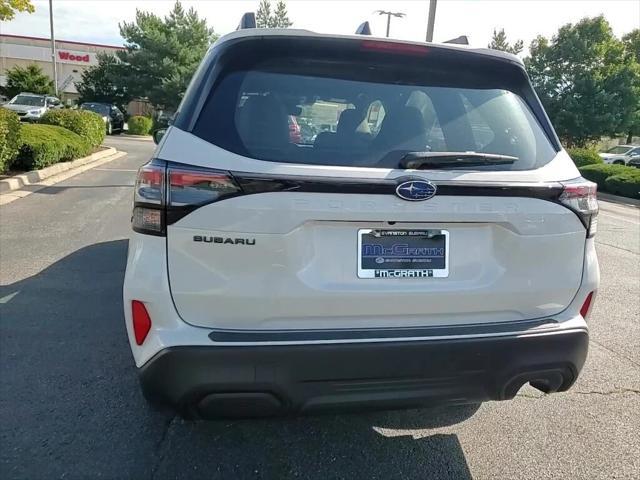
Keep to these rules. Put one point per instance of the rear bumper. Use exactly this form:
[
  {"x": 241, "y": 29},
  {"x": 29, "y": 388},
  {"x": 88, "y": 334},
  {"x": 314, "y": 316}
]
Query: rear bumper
[{"x": 210, "y": 381}]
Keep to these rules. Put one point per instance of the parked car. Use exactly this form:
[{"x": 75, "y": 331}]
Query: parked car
[
  {"x": 634, "y": 162},
  {"x": 112, "y": 116},
  {"x": 30, "y": 107},
  {"x": 265, "y": 277},
  {"x": 620, "y": 154}
]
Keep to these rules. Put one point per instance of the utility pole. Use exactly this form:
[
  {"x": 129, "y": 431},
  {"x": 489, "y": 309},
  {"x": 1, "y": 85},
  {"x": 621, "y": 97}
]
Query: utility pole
[
  {"x": 53, "y": 50},
  {"x": 432, "y": 19},
  {"x": 389, "y": 15}
]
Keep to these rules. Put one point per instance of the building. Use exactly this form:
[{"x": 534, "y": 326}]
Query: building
[{"x": 72, "y": 59}]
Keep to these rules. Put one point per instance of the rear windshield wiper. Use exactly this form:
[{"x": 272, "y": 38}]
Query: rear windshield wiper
[{"x": 418, "y": 160}]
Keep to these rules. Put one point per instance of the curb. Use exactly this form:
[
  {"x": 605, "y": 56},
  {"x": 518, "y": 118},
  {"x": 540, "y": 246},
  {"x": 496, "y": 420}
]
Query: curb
[
  {"x": 608, "y": 197},
  {"x": 36, "y": 176},
  {"x": 54, "y": 175}
]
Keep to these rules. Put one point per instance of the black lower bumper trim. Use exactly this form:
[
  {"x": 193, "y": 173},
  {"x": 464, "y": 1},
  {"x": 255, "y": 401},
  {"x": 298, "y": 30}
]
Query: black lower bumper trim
[
  {"x": 215, "y": 381},
  {"x": 251, "y": 336}
]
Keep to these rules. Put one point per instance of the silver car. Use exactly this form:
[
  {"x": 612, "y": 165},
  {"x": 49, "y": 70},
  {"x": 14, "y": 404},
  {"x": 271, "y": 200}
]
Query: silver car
[
  {"x": 30, "y": 107},
  {"x": 621, "y": 154}
]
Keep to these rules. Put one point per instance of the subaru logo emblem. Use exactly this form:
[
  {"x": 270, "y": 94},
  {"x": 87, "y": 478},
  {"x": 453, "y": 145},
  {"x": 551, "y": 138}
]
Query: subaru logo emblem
[{"x": 416, "y": 190}]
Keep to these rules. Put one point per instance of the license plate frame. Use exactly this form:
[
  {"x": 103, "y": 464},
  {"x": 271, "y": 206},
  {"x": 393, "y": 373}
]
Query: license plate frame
[{"x": 403, "y": 253}]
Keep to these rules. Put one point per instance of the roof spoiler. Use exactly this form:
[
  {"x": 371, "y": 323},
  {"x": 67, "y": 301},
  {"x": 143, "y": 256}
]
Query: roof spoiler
[
  {"x": 461, "y": 40},
  {"x": 363, "y": 29},
  {"x": 248, "y": 20}
]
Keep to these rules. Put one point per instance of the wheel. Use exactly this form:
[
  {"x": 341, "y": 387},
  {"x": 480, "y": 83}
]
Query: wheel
[
  {"x": 618, "y": 162},
  {"x": 109, "y": 128}
]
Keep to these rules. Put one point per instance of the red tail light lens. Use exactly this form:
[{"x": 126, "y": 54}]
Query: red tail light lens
[
  {"x": 191, "y": 187},
  {"x": 149, "y": 186},
  {"x": 141, "y": 321},
  {"x": 586, "y": 306},
  {"x": 581, "y": 197}
]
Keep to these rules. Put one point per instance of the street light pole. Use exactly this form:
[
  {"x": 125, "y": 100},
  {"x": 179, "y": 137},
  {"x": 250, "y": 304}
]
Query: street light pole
[
  {"x": 432, "y": 19},
  {"x": 389, "y": 15},
  {"x": 53, "y": 50}
]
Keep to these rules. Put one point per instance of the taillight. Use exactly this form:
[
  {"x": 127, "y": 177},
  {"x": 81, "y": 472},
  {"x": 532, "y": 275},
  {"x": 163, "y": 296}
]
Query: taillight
[
  {"x": 581, "y": 197},
  {"x": 198, "y": 187},
  {"x": 141, "y": 321},
  {"x": 166, "y": 193},
  {"x": 149, "y": 200}
]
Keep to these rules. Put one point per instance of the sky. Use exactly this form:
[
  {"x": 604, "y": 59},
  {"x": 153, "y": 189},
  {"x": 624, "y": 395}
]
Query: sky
[{"x": 97, "y": 21}]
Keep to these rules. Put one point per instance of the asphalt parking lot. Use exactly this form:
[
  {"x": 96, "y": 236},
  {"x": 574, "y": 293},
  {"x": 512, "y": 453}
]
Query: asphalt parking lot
[{"x": 70, "y": 406}]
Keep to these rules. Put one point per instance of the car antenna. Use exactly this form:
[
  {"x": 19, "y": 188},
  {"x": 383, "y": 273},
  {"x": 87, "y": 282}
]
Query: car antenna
[
  {"x": 363, "y": 29},
  {"x": 248, "y": 20},
  {"x": 461, "y": 40}
]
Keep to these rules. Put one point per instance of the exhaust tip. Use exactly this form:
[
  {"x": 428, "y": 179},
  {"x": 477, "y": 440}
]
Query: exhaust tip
[{"x": 546, "y": 381}]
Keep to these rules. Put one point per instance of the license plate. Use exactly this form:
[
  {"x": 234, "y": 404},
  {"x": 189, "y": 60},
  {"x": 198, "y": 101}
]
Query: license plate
[{"x": 403, "y": 253}]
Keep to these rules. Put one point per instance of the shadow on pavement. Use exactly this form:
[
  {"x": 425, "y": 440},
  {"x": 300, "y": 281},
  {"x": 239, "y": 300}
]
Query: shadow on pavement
[
  {"x": 53, "y": 190},
  {"x": 70, "y": 405}
]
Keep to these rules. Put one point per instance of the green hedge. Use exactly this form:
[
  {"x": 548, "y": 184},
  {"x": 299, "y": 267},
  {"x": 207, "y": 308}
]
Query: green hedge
[
  {"x": 140, "y": 125},
  {"x": 626, "y": 184},
  {"x": 89, "y": 125},
  {"x": 616, "y": 179},
  {"x": 584, "y": 156},
  {"x": 44, "y": 145},
  {"x": 9, "y": 138},
  {"x": 599, "y": 173}
]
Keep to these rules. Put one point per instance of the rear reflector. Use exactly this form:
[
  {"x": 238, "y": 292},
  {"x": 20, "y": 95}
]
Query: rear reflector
[
  {"x": 586, "y": 306},
  {"x": 141, "y": 321}
]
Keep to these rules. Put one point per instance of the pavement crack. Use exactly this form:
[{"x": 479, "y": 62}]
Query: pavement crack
[
  {"x": 616, "y": 247},
  {"x": 159, "y": 448},
  {"x": 619, "y": 391},
  {"x": 618, "y": 354}
]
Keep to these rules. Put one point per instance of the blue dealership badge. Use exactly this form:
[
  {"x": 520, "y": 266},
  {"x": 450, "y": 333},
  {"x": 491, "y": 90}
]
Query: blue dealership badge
[{"x": 416, "y": 190}]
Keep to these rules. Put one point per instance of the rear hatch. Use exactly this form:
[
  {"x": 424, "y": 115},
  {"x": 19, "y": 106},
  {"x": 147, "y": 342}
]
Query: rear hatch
[{"x": 421, "y": 190}]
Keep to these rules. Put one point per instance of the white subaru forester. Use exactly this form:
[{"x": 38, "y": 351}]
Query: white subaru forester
[{"x": 422, "y": 239}]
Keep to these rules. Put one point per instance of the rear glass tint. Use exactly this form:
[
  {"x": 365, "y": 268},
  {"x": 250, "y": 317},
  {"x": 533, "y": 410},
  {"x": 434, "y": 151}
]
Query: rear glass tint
[{"x": 316, "y": 111}]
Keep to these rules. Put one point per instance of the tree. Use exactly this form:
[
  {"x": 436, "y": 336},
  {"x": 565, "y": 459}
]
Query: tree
[
  {"x": 281, "y": 17},
  {"x": 101, "y": 83},
  {"x": 263, "y": 15},
  {"x": 499, "y": 42},
  {"x": 8, "y": 8},
  {"x": 278, "y": 19},
  {"x": 161, "y": 55},
  {"x": 27, "y": 79},
  {"x": 632, "y": 43},
  {"x": 632, "y": 48},
  {"x": 587, "y": 84}
]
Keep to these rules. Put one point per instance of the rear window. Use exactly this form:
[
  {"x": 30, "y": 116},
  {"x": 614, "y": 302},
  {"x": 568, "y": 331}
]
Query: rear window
[
  {"x": 100, "y": 108},
  {"x": 324, "y": 112}
]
